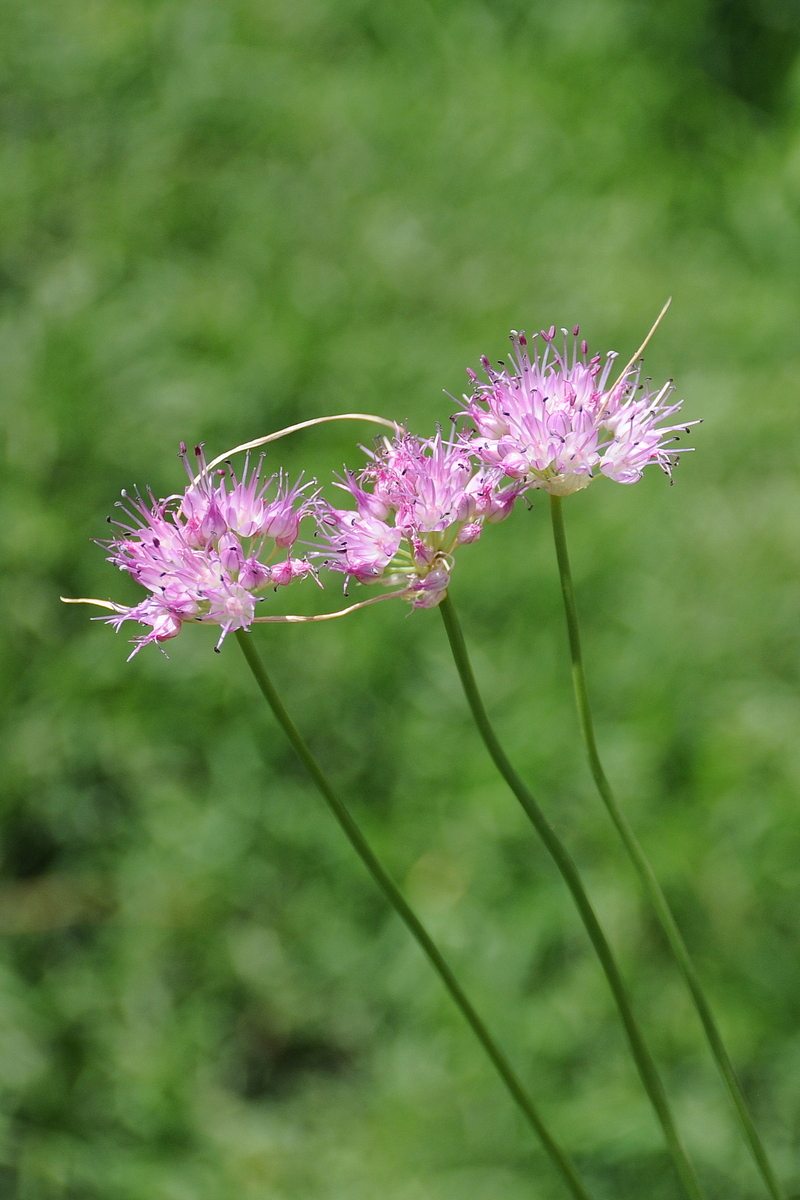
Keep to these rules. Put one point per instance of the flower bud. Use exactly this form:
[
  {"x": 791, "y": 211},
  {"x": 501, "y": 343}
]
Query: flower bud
[{"x": 231, "y": 554}]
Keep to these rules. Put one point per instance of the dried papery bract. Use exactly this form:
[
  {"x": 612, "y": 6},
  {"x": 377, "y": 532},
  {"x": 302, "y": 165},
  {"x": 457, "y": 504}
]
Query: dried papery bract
[{"x": 281, "y": 433}]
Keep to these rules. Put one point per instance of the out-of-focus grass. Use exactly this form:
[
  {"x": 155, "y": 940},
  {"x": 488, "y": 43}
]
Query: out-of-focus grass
[{"x": 219, "y": 217}]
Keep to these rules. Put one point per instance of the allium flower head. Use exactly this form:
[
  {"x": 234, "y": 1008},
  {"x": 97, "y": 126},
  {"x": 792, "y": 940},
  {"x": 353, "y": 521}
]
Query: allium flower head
[
  {"x": 416, "y": 502},
  {"x": 207, "y": 554},
  {"x": 553, "y": 420}
]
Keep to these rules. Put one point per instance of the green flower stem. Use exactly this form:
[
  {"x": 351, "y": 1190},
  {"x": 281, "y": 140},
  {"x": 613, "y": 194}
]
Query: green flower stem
[
  {"x": 410, "y": 919},
  {"x": 643, "y": 868},
  {"x": 569, "y": 872}
]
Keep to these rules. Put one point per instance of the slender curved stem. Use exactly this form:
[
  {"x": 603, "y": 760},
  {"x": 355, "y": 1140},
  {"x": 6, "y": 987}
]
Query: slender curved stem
[
  {"x": 643, "y": 868},
  {"x": 410, "y": 919},
  {"x": 648, "y": 1071}
]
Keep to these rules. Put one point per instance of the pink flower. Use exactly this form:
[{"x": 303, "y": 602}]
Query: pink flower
[
  {"x": 427, "y": 498},
  {"x": 230, "y": 606},
  {"x": 637, "y": 439},
  {"x": 364, "y": 545},
  {"x": 206, "y": 555},
  {"x": 554, "y": 421},
  {"x": 285, "y": 572},
  {"x": 163, "y": 623}
]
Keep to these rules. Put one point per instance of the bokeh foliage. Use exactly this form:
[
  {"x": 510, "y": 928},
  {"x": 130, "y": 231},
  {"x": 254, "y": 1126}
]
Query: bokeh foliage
[{"x": 218, "y": 216}]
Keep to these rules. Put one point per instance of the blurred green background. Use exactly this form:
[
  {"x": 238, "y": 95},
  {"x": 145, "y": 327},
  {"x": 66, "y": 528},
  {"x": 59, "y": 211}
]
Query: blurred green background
[{"x": 219, "y": 216}]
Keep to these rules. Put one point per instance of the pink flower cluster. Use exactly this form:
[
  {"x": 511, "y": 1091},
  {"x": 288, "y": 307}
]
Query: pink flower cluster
[
  {"x": 553, "y": 421},
  {"x": 427, "y": 497},
  {"x": 550, "y": 421},
  {"x": 206, "y": 555}
]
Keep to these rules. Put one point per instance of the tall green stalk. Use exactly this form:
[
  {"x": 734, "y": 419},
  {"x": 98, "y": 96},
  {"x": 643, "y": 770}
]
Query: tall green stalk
[
  {"x": 648, "y": 1071},
  {"x": 410, "y": 919},
  {"x": 643, "y": 868}
]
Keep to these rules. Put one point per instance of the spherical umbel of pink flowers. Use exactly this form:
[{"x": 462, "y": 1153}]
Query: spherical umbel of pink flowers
[
  {"x": 207, "y": 555},
  {"x": 416, "y": 503},
  {"x": 553, "y": 421}
]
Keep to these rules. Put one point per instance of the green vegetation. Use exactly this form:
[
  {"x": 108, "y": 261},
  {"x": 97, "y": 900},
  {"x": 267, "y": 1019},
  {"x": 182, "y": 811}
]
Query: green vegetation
[{"x": 221, "y": 216}]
